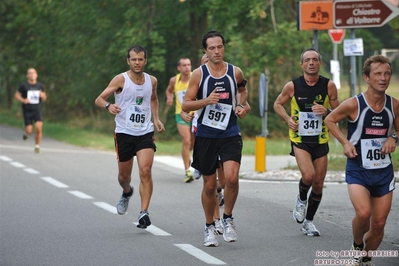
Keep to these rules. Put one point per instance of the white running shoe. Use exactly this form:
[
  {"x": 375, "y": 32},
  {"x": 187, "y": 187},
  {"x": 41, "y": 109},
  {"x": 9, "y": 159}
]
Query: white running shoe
[
  {"x": 357, "y": 259},
  {"x": 229, "y": 230},
  {"x": 309, "y": 229},
  {"x": 219, "y": 226},
  {"x": 210, "y": 237},
  {"x": 299, "y": 210},
  {"x": 123, "y": 203},
  {"x": 221, "y": 198}
]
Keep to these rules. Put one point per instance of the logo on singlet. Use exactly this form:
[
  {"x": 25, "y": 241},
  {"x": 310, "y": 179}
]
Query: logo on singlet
[
  {"x": 375, "y": 143},
  {"x": 139, "y": 100},
  {"x": 318, "y": 98},
  {"x": 218, "y": 107}
]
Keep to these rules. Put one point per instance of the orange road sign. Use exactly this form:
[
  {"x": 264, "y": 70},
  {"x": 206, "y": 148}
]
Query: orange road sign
[{"x": 315, "y": 15}]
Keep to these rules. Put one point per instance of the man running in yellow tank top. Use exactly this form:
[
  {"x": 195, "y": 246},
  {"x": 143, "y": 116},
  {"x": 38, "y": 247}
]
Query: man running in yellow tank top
[
  {"x": 310, "y": 96},
  {"x": 177, "y": 89}
]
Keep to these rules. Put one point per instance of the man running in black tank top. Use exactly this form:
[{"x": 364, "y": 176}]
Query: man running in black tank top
[{"x": 310, "y": 96}]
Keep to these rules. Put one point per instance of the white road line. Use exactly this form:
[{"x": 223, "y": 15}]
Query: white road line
[
  {"x": 80, "y": 195},
  {"x": 106, "y": 206},
  {"x": 54, "y": 182},
  {"x": 31, "y": 171},
  {"x": 5, "y": 158},
  {"x": 173, "y": 161},
  {"x": 199, "y": 254},
  {"x": 17, "y": 164},
  {"x": 155, "y": 230},
  {"x": 82, "y": 151}
]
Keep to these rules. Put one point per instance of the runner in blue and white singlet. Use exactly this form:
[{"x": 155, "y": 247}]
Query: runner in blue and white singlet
[
  {"x": 218, "y": 120},
  {"x": 373, "y": 123},
  {"x": 368, "y": 134}
]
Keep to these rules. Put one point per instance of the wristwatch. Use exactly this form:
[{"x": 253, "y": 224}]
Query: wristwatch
[
  {"x": 395, "y": 137},
  {"x": 107, "y": 105}
]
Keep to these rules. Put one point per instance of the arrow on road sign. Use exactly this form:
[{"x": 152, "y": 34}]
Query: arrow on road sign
[{"x": 363, "y": 14}]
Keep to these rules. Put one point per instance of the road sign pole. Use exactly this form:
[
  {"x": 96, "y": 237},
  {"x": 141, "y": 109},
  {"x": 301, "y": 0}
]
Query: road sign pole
[
  {"x": 353, "y": 69},
  {"x": 316, "y": 40}
]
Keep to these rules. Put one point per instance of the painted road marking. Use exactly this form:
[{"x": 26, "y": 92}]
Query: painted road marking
[
  {"x": 5, "y": 158},
  {"x": 155, "y": 230},
  {"x": 31, "y": 171},
  {"x": 17, "y": 164},
  {"x": 80, "y": 195},
  {"x": 106, "y": 207},
  {"x": 54, "y": 182},
  {"x": 199, "y": 254}
]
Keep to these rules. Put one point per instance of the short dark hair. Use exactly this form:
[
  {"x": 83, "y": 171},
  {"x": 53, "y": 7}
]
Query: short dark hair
[
  {"x": 137, "y": 49},
  {"x": 375, "y": 59},
  {"x": 210, "y": 34},
  {"x": 309, "y": 49},
  {"x": 183, "y": 58}
]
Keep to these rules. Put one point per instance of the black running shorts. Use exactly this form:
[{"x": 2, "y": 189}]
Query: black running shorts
[
  {"x": 315, "y": 150},
  {"x": 209, "y": 151},
  {"x": 31, "y": 116},
  {"x": 127, "y": 146}
]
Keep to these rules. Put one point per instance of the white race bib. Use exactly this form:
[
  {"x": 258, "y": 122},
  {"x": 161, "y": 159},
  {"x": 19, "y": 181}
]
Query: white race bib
[
  {"x": 310, "y": 124},
  {"x": 217, "y": 115},
  {"x": 34, "y": 96},
  {"x": 137, "y": 117},
  {"x": 371, "y": 153}
]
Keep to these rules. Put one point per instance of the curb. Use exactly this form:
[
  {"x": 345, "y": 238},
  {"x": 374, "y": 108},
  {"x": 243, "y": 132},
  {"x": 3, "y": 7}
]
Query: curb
[{"x": 295, "y": 175}]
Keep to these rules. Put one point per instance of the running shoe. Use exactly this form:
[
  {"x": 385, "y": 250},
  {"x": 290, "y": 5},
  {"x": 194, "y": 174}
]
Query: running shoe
[
  {"x": 144, "y": 220},
  {"x": 210, "y": 237},
  {"x": 229, "y": 230},
  {"x": 219, "y": 226},
  {"x": 221, "y": 198},
  {"x": 189, "y": 177},
  {"x": 37, "y": 150},
  {"x": 197, "y": 174},
  {"x": 309, "y": 229},
  {"x": 299, "y": 210},
  {"x": 123, "y": 202},
  {"x": 25, "y": 137},
  {"x": 357, "y": 259}
]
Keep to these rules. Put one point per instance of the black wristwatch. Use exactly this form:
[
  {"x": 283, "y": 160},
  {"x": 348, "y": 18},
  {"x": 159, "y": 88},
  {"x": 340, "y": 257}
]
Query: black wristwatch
[
  {"x": 107, "y": 105},
  {"x": 395, "y": 137}
]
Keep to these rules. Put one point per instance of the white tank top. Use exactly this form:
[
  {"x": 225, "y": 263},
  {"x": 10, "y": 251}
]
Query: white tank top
[{"x": 135, "y": 103}]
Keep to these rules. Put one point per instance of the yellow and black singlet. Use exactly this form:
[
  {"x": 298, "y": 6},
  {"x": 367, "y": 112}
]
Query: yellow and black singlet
[{"x": 311, "y": 126}]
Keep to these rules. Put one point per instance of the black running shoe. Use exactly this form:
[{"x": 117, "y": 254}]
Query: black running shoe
[{"x": 144, "y": 220}]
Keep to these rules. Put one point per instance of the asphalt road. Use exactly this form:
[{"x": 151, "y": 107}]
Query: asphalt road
[{"x": 58, "y": 208}]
